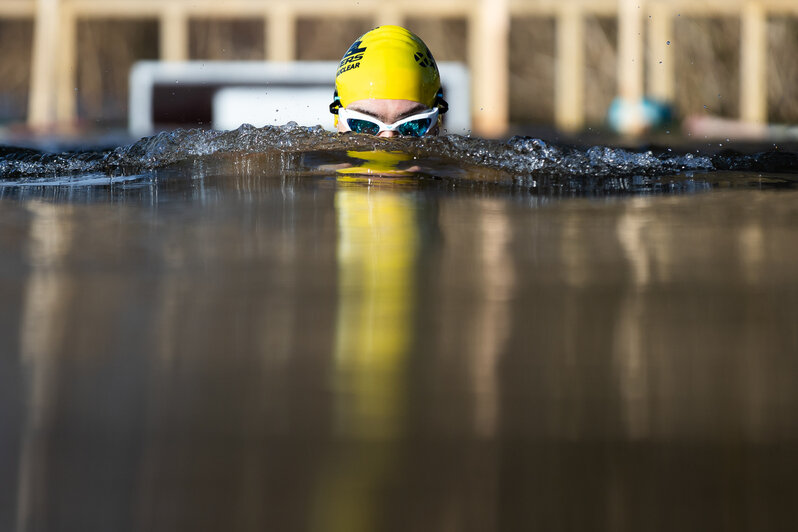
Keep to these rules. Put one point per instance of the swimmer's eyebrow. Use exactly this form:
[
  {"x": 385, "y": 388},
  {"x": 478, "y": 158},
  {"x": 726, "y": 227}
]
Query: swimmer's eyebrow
[
  {"x": 413, "y": 110},
  {"x": 410, "y": 112}
]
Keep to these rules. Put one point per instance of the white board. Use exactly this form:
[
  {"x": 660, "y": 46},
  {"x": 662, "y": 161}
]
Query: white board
[{"x": 262, "y": 92}]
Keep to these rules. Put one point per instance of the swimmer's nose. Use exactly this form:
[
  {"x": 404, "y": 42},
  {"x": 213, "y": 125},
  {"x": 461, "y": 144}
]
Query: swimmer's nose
[{"x": 388, "y": 134}]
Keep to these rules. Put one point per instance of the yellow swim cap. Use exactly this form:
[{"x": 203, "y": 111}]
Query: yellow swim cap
[{"x": 389, "y": 63}]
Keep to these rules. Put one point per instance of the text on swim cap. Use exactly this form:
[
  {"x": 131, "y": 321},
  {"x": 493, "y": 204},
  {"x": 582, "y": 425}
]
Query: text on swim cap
[
  {"x": 346, "y": 68},
  {"x": 351, "y": 58}
]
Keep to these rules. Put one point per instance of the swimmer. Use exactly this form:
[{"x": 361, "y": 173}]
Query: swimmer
[{"x": 388, "y": 85}]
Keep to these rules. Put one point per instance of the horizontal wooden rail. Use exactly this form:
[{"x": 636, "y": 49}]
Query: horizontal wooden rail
[
  {"x": 52, "y": 97},
  {"x": 17, "y": 8}
]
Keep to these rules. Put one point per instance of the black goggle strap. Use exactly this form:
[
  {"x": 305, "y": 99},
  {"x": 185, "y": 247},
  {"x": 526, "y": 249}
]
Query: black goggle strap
[
  {"x": 440, "y": 103},
  {"x": 336, "y": 103}
]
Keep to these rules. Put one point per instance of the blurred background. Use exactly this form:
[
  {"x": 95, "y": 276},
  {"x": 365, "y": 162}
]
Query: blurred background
[
  {"x": 574, "y": 66},
  {"x": 281, "y": 339}
]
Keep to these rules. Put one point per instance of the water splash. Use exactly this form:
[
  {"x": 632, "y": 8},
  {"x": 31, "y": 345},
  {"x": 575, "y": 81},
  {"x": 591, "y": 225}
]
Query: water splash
[{"x": 519, "y": 160}]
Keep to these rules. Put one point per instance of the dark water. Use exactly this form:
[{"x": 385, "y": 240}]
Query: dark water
[{"x": 461, "y": 336}]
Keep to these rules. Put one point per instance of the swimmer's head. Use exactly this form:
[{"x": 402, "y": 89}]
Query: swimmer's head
[{"x": 388, "y": 63}]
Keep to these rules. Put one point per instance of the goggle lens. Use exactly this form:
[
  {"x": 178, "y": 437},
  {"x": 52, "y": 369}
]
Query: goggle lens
[
  {"x": 415, "y": 128},
  {"x": 363, "y": 126}
]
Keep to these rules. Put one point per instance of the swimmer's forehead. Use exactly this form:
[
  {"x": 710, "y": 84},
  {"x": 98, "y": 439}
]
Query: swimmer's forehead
[{"x": 387, "y": 110}]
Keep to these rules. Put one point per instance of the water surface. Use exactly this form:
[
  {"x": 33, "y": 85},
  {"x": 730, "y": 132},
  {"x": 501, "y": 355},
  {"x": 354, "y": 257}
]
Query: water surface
[{"x": 310, "y": 339}]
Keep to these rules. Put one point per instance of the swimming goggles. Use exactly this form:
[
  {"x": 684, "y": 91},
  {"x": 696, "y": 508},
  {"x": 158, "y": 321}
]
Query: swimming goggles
[{"x": 416, "y": 125}]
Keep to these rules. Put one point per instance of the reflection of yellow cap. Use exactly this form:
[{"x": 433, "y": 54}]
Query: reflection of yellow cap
[
  {"x": 388, "y": 62},
  {"x": 377, "y": 162}
]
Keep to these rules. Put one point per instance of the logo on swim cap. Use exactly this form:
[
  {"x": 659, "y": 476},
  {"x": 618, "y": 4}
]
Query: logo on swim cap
[
  {"x": 355, "y": 49},
  {"x": 351, "y": 59},
  {"x": 421, "y": 59}
]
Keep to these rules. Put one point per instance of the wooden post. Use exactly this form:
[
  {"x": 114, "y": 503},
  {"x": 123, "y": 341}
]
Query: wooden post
[
  {"x": 488, "y": 36},
  {"x": 569, "y": 98},
  {"x": 281, "y": 33},
  {"x": 41, "y": 99},
  {"x": 630, "y": 61},
  {"x": 753, "y": 64},
  {"x": 660, "y": 54},
  {"x": 388, "y": 13},
  {"x": 66, "y": 103},
  {"x": 174, "y": 33}
]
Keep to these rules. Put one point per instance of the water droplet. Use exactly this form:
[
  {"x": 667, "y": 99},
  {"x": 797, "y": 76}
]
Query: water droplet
[
  {"x": 660, "y": 62},
  {"x": 667, "y": 131},
  {"x": 668, "y": 43}
]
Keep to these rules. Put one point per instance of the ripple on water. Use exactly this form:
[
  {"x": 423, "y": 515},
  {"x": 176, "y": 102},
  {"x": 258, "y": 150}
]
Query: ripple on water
[{"x": 519, "y": 161}]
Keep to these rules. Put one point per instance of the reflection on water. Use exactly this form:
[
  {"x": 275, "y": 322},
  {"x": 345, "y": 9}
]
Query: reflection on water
[
  {"x": 364, "y": 353},
  {"x": 377, "y": 242}
]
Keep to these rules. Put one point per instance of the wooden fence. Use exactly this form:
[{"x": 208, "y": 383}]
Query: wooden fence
[{"x": 52, "y": 97}]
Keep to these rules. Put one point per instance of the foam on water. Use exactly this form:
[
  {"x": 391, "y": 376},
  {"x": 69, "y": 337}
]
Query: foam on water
[{"x": 519, "y": 161}]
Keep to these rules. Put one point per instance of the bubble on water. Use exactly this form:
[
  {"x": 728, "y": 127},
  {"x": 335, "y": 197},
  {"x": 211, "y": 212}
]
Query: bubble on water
[{"x": 668, "y": 43}]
